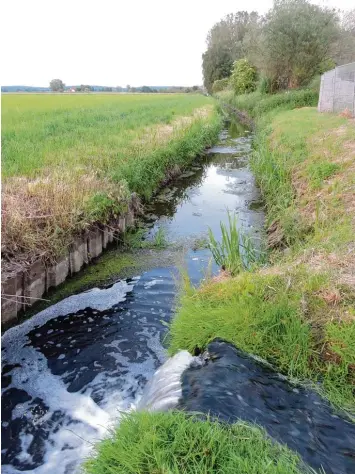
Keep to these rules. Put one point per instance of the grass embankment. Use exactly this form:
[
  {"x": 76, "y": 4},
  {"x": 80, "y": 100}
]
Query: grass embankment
[
  {"x": 299, "y": 312},
  {"x": 73, "y": 160},
  {"x": 257, "y": 104},
  {"x": 177, "y": 443}
]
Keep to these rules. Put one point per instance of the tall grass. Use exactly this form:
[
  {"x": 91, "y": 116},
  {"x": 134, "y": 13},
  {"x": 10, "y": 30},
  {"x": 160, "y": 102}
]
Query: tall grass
[
  {"x": 236, "y": 250},
  {"x": 176, "y": 443},
  {"x": 264, "y": 314},
  {"x": 70, "y": 161},
  {"x": 257, "y": 104}
]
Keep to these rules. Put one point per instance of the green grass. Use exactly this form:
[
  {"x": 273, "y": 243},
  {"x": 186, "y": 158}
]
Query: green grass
[
  {"x": 257, "y": 104},
  {"x": 44, "y": 130},
  {"x": 177, "y": 443},
  {"x": 235, "y": 251},
  {"x": 318, "y": 172},
  {"x": 300, "y": 145},
  {"x": 264, "y": 315},
  {"x": 73, "y": 160}
]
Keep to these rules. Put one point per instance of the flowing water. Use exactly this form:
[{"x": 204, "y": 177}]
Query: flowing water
[{"x": 71, "y": 370}]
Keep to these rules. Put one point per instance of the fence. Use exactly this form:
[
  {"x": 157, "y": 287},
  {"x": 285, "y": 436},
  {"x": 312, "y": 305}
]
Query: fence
[{"x": 337, "y": 90}]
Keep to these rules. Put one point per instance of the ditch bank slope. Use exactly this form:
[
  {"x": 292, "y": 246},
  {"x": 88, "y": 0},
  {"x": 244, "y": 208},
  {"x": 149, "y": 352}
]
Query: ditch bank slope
[{"x": 79, "y": 187}]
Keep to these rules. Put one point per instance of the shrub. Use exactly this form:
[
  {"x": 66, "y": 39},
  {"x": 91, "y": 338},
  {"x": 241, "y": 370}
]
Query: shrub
[
  {"x": 244, "y": 77},
  {"x": 264, "y": 85},
  {"x": 220, "y": 84}
]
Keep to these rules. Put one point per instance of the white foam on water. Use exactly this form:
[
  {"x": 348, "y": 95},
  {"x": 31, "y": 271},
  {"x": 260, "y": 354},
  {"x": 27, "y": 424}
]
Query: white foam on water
[
  {"x": 163, "y": 391},
  {"x": 83, "y": 422},
  {"x": 152, "y": 283}
]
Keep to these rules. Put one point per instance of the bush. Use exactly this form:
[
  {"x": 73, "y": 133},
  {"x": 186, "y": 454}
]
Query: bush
[
  {"x": 244, "y": 77},
  {"x": 220, "y": 84},
  {"x": 264, "y": 85},
  {"x": 314, "y": 84}
]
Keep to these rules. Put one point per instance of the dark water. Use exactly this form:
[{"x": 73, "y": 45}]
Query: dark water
[{"x": 234, "y": 386}]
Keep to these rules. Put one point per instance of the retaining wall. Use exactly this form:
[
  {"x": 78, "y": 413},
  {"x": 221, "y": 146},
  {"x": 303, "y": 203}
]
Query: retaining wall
[
  {"x": 337, "y": 90},
  {"x": 22, "y": 289}
]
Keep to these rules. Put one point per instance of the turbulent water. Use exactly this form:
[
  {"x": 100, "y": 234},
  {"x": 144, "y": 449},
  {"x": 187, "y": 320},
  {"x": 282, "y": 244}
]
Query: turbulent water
[
  {"x": 232, "y": 385},
  {"x": 70, "y": 371}
]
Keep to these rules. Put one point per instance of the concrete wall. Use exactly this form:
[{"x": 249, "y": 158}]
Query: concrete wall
[
  {"x": 23, "y": 288},
  {"x": 337, "y": 90}
]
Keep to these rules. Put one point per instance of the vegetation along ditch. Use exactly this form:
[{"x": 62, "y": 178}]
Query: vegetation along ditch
[
  {"x": 265, "y": 345},
  {"x": 216, "y": 334}
]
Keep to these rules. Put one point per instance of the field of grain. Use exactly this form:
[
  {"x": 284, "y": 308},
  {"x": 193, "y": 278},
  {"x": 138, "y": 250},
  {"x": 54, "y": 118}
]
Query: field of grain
[{"x": 71, "y": 160}]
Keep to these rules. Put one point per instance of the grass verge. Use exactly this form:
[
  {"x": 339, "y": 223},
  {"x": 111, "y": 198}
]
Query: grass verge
[
  {"x": 299, "y": 312},
  {"x": 175, "y": 443}
]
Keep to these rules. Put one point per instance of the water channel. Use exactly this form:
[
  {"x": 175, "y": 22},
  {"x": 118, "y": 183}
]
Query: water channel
[{"x": 71, "y": 370}]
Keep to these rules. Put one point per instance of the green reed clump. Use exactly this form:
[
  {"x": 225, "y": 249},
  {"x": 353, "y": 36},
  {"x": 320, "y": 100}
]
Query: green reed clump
[{"x": 235, "y": 251}]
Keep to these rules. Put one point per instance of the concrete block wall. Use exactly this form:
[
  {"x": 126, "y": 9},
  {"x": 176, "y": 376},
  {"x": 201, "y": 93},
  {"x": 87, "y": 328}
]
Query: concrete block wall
[
  {"x": 23, "y": 288},
  {"x": 337, "y": 90}
]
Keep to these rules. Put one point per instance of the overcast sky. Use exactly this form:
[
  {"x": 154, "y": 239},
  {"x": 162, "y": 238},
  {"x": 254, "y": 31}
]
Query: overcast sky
[{"x": 112, "y": 42}]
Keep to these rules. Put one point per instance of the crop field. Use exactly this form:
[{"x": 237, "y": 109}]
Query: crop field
[{"x": 71, "y": 160}]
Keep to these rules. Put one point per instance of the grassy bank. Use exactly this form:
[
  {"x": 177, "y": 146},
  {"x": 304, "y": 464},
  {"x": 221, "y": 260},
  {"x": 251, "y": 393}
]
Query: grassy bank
[
  {"x": 257, "y": 104},
  {"x": 69, "y": 161},
  {"x": 298, "y": 312},
  {"x": 175, "y": 443}
]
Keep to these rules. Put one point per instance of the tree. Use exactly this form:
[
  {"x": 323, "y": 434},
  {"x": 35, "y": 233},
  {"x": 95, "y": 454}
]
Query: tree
[
  {"x": 296, "y": 39},
  {"x": 343, "y": 50},
  {"x": 57, "y": 85},
  {"x": 225, "y": 45},
  {"x": 244, "y": 77},
  {"x": 128, "y": 87}
]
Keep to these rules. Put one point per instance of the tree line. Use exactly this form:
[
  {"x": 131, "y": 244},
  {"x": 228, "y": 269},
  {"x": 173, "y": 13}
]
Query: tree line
[
  {"x": 283, "y": 49},
  {"x": 57, "y": 85}
]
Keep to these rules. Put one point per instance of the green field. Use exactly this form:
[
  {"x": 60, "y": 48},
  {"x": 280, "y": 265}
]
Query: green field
[{"x": 76, "y": 158}]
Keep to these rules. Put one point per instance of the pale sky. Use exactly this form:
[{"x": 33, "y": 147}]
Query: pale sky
[{"x": 112, "y": 42}]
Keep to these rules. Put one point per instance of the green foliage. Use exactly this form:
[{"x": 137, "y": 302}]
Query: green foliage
[
  {"x": 314, "y": 84},
  {"x": 283, "y": 313},
  {"x": 294, "y": 41},
  {"x": 257, "y": 104},
  {"x": 319, "y": 171},
  {"x": 176, "y": 443},
  {"x": 220, "y": 84},
  {"x": 101, "y": 207},
  {"x": 264, "y": 85},
  {"x": 57, "y": 85},
  {"x": 235, "y": 251},
  {"x": 160, "y": 241},
  {"x": 225, "y": 45},
  {"x": 227, "y": 252},
  {"x": 244, "y": 77}
]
